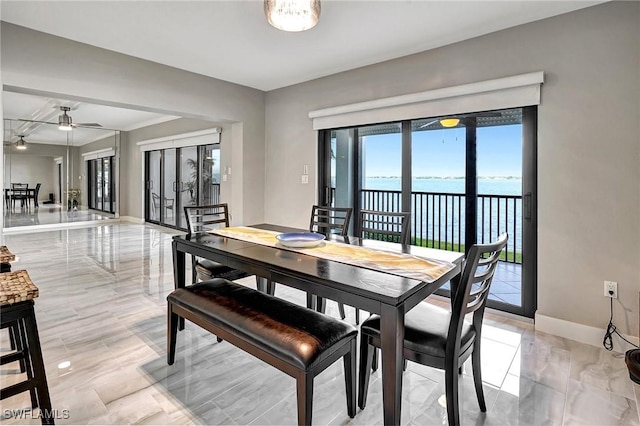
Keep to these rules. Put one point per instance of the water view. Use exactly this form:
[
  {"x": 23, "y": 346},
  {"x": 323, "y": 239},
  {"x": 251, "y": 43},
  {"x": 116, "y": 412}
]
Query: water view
[{"x": 453, "y": 185}]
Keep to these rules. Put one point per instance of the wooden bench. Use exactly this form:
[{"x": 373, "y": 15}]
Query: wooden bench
[{"x": 298, "y": 341}]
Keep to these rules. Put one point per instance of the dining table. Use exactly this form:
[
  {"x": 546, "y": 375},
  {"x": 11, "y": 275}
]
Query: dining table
[{"x": 384, "y": 292}]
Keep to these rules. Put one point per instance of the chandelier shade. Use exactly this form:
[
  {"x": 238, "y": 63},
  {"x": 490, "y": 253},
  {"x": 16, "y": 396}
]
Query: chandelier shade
[{"x": 292, "y": 15}]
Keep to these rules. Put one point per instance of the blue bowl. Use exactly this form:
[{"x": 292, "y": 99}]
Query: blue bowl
[{"x": 300, "y": 239}]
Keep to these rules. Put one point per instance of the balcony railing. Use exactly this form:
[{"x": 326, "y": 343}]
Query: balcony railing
[
  {"x": 438, "y": 219},
  {"x": 211, "y": 195}
]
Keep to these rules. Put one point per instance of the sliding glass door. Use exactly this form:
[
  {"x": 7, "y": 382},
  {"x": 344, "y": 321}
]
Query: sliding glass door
[
  {"x": 179, "y": 177},
  {"x": 465, "y": 179},
  {"x": 100, "y": 184}
]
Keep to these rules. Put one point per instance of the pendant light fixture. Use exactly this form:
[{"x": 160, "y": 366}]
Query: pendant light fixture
[
  {"x": 292, "y": 15},
  {"x": 21, "y": 144},
  {"x": 64, "y": 120},
  {"x": 449, "y": 122}
]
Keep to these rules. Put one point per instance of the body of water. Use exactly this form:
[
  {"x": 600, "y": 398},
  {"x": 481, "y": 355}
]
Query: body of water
[{"x": 489, "y": 186}]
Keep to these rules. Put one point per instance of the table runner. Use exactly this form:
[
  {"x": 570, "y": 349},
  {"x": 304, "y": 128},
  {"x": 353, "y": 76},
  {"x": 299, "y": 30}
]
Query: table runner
[{"x": 401, "y": 264}]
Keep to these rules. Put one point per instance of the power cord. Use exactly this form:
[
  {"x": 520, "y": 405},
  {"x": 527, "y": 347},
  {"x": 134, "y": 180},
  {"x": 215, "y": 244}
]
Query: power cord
[{"x": 607, "y": 342}]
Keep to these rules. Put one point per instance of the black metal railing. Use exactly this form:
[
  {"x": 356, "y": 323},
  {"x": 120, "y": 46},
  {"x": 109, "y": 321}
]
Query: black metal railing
[
  {"x": 211, "y": 195},
  {"x": 438, "y": 218}
]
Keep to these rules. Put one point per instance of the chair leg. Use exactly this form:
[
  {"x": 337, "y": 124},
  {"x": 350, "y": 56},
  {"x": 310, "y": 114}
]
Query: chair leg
[
  {"x": 39, "y": 375},
  {"x": 322, "y": 304},
  {"x": 311, "y": 301},
  {"x": 477, "y": 376},
  {"x": 341, "y": 309},
  {"x": 304, "y": 390},
  {"x": 366, "y": 358},
  {"x": 172, "y": 334},
  {"x": 22, "y": 345},
  {"x": 374, "y": 365},
  {"x": 451, "y": 392},
  {"x": 271, "y": 288},
  {"x": 350, "y": 378},
  {"x": 13, "y": 329}
]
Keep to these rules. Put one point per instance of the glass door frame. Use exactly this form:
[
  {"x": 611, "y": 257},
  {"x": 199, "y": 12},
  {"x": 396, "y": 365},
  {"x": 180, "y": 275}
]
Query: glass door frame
[
  {"x": 529, "y": 196},
  {"x": 94, "y": 184},
  {"x": 178, "y": 185}
]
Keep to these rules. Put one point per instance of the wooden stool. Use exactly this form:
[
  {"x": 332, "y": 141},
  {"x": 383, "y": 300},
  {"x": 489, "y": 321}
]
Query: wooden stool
[
  {"x": 5, "y": 258},
  {"x": 16, "y": 311}
]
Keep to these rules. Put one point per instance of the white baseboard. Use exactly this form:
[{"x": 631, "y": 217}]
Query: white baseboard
[
  {"x": 581, "y": 333},
  {"x": 131, "y": 219}
]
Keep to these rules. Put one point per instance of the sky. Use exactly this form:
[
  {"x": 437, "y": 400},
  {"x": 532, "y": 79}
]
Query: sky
[{"x": 441, "y": 152}]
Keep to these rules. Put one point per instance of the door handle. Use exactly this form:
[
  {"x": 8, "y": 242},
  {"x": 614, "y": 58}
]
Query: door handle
[{"x": 527, "y": 205}]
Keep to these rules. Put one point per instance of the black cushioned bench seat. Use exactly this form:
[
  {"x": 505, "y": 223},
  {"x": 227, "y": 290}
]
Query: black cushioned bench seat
[{"x": 298, "y": 341}]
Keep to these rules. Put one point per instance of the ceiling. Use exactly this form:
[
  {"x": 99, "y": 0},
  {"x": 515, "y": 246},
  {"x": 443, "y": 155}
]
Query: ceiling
[
  {"x": 30, "y": 116},
  {"x": 232, "y": 41}
]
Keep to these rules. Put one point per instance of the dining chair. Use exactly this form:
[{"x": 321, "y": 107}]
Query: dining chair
[
  {"x": 201, "y": 219},
  {"x": 385, "y": 226},
  {"x": 33, "y": 195},
  {"x": 168, "y": 205},
  {"x": 19, "y": 191},
  {"x": 155, "y": 203},
  {"x": 329, "y": 221},
  {"x": 440, "y": 338}
]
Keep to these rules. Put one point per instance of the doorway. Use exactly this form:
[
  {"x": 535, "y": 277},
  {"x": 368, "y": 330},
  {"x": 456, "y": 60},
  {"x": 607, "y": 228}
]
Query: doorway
[
  {"x": 179, "y": 177},
  {"x": 464, "y": 180}
]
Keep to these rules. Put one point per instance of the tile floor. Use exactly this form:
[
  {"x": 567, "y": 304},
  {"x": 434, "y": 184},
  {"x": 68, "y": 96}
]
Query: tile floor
[
  {"x": 48, "y": 214},
  {"x": 101, "y": 315}
]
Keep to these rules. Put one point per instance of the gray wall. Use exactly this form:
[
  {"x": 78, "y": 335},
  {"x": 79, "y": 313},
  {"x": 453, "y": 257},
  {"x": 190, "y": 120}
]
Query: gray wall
[
  {"x": 32, "y": 169},
  {"x": 588, "y": 136},
  {"x": 26, "y": 167},
  {"x": 35, "y": 62}
]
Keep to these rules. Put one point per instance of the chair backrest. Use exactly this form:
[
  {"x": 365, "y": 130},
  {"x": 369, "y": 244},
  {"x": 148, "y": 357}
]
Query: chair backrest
[
  {"x": 386, "y": 226},
  {"x": 204, "y": 218},
  {"x": 19, "y": 186},
  {"x": 37, "y": 189},
  {"x": 330, "y": 220},
  {"x": 473, "y": 289}
]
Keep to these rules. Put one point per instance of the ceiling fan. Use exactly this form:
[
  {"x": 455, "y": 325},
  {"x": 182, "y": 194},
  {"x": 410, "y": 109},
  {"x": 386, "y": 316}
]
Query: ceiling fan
[{"x": 66, "y": 123}]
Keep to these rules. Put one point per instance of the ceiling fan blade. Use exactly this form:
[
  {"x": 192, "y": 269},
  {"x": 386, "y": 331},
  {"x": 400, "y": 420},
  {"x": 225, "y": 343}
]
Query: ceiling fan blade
[{"x": 87, "y": 124}]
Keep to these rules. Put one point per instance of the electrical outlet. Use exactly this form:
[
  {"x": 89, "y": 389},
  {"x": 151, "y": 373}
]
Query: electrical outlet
[{"x": 611, "y": 289}]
